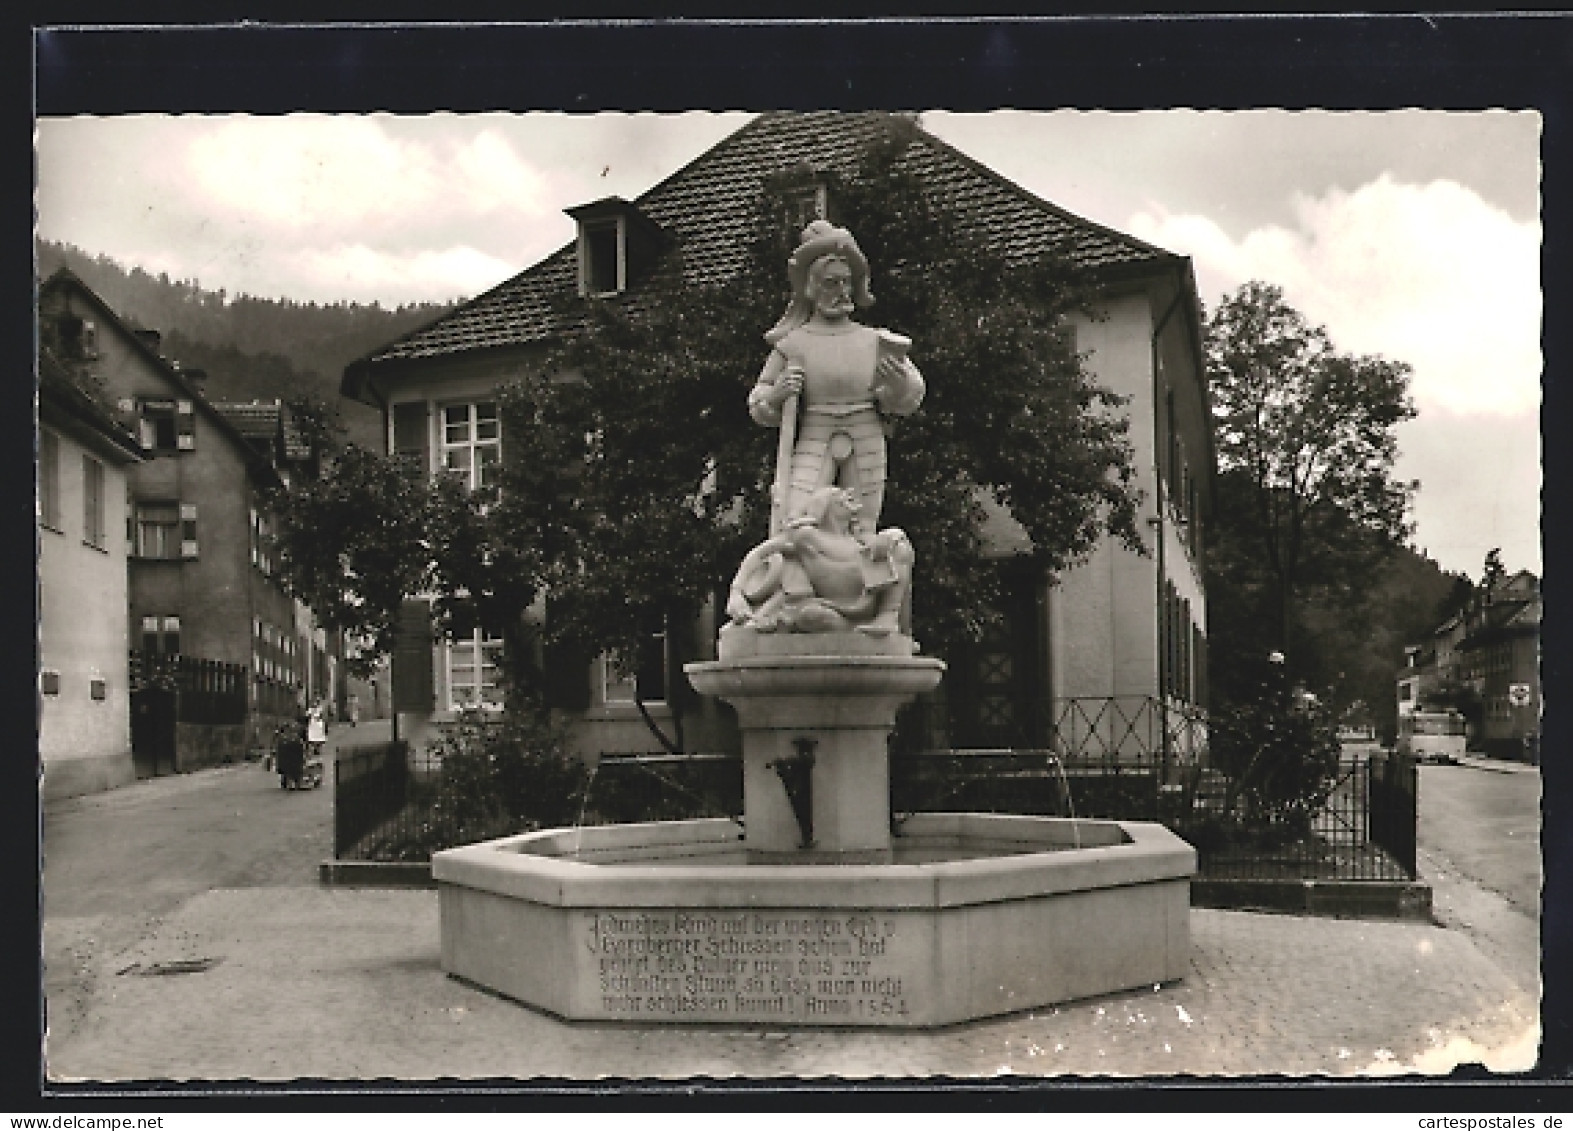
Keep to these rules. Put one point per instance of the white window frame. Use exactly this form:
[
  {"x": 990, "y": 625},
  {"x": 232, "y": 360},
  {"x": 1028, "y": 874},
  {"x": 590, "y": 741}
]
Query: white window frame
[
  {"x": 618, "y": 688},
  {"x": 161, "y": 627},
  {"x": 93, "y": 502},
  {"x": 476, "y": 646},
  {"x": 619, "y": 226},
  {"x": 473, "y": 443},
  {"x": 170, "y": 529},
  {"x": 49, "y": 480}
]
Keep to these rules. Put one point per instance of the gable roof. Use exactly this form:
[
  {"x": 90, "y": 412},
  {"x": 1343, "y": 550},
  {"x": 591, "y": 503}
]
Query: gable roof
[
  {"x": 66, "y": 278},
  {"x": 708, "y": 207},
  {"x": 63, "y": 403}
]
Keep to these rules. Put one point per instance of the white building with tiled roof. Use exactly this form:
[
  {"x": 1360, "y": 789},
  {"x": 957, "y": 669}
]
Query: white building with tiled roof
[{"x": 1108, "y": 659}]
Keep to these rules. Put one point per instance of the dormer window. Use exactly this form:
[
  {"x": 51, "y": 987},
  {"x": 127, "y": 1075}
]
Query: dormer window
[
  {"x": 602, "y": 259},
  {"x": 617, "y": 244},
  {"x": 809, "y": 203}
]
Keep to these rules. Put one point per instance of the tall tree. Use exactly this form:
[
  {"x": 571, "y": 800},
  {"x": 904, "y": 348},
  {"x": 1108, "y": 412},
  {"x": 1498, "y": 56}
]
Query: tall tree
[
  {"x": 353, "y": 544},
  {"x": 1493, "y": 572},
  {"x": 1009, "y": 410},
  {"x": 633, "y": 480},
  {"x": 1306, "y": 443}
]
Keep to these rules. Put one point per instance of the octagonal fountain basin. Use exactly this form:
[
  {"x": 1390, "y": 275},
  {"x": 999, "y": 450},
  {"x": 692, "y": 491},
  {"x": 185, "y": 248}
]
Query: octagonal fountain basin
[{"x": 976, "y": 915}]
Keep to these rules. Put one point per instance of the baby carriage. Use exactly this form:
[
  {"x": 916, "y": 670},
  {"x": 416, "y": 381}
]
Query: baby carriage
[{"x": 297, "y": 769}]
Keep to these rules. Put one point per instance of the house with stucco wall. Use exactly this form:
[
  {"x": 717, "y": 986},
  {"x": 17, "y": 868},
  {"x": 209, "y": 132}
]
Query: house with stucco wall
[
  {"x": 1109, "y": 659},
  {"x": 84, "y": 704},
  {"x": 201, "y": 579}
]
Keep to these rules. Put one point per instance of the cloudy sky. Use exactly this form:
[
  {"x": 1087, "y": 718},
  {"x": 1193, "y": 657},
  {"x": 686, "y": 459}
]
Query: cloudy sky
[{"x": 1411, "y": 234}]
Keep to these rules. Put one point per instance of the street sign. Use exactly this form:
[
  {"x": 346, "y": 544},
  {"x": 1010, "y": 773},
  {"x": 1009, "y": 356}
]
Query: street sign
[{"x": 1518, "y": 694}]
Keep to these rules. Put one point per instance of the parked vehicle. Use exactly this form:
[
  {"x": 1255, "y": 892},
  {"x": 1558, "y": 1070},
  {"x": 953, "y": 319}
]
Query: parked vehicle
[{"x": 1432, "y": 736}]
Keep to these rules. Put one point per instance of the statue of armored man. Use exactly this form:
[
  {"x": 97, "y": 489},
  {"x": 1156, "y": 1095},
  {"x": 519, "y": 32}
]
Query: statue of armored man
[{"x": 828, "y": 382}]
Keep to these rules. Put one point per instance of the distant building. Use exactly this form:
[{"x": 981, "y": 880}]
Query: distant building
[
  {"x": 84, "y": 712},
  {"x": 205, "y": 607},
  {"x": 1110, "y": 660},
  {"x": 1485, "y": 661}
]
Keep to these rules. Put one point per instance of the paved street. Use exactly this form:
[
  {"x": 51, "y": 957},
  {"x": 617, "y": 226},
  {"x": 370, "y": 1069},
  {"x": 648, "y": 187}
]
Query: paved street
[
  {"x": 1479, "y": 849},
  {"x": 117, "y": 865},
  {"x": 1486, "y": 825},
  {"x": 266, "y": 975}
]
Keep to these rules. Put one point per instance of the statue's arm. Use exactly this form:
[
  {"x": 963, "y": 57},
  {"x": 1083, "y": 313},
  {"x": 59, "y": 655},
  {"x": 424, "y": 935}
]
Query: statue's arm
[
  {"x": 762, "y": 404},
  {"x": 900, "y": 387}
]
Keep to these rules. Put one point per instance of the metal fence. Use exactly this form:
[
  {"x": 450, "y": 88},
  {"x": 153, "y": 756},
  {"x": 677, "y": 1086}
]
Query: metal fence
[
  {"x": 390, "y": 804},
  {"x": 370, "y": 789},
  {"x": 1363, "y": 830},
  {"x": 395, "y": 804},
  {"x": 208, "y": 691},
  {"x": 1101, "y": 731}
]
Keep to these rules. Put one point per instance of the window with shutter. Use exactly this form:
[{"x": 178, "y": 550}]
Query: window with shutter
[
  {"x": 158, "y": 530},
  {"x": 49, "y": 479},
  {"x": 412, "y": 437},
  {"x": 185, "y": 426},
  {"x": 157, "y": 427},
  {"x": 188, "y": 530},
  {"x": 92, "y": 502}
]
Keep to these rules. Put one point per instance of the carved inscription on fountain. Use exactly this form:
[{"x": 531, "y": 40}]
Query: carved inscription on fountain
[{"x": 751, "y": 966}]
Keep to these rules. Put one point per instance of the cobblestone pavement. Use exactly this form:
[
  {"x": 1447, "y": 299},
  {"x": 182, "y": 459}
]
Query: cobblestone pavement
[{"x": 299, "y": 982}]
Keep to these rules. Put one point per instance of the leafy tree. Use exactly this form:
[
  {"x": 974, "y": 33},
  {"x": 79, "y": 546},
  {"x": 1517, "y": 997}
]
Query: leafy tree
[
  {"x": 1308, "y": 503},
  {"x": 1009, "y": 409},
  {"x": 633, "y": 480},
  {"x": 353, "y": 544},
  {"x": 1459, "y": 598},
  {"x": 1493, "y": 573}
]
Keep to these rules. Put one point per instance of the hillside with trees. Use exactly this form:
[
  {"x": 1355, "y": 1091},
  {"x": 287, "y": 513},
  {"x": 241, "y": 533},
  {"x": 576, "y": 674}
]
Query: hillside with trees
[{"x": 249, "y": 347}]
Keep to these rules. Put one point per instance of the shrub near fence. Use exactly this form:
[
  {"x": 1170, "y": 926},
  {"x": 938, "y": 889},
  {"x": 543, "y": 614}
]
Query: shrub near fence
[{"x": 484, "y": 778}]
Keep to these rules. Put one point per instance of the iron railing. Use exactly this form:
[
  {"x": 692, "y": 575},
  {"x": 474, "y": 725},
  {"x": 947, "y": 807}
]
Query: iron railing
[
  {"x": 1105, "y": 764},
  {"x": 1364, "y": 829},
  {"x": 395, "y": 804},
  {"x": 1125, "y": 730},
  {"x": 1394, "y": 787},
  {"x": 370, "y": 789}
]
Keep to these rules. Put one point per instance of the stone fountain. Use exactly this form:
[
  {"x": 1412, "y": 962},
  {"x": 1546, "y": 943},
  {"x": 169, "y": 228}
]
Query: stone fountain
[{"x": 816, "y": 912}]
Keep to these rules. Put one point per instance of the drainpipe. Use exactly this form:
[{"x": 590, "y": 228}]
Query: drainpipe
[{"x": 1158, "y": 524}]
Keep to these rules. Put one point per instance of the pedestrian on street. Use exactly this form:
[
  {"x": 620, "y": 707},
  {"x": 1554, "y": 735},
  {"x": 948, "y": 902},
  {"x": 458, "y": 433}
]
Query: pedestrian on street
[
  {"x": 289, "y": 754},
  {"x": 316, "y": 731}
]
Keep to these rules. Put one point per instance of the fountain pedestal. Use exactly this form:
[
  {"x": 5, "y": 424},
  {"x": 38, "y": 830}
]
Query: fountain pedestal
[
  {"x": 961, "y": 916},
  {"x": 815, "y": 712}
]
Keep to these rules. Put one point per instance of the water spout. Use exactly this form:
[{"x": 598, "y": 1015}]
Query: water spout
[
  {"x": 584, "y": 802},
  {"x": 1069, "y": 802}
]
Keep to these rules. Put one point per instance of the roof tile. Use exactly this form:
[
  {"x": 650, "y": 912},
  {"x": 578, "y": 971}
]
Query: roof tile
[{"x": 707, "y": 206}]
